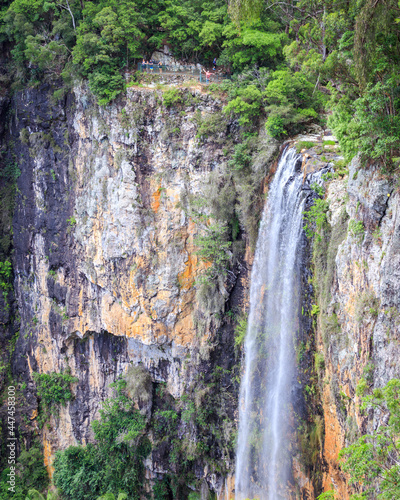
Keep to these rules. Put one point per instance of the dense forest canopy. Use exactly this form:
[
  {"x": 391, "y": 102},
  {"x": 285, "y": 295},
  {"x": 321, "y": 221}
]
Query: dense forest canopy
[{"x": 294, "y": 58}]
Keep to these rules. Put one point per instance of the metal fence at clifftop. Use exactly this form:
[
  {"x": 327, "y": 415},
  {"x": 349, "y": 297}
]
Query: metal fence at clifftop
[{"x": 169, "y": 70}]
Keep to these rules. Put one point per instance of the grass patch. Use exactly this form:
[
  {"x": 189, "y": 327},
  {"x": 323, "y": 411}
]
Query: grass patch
[{"x": 304, "y": 145}]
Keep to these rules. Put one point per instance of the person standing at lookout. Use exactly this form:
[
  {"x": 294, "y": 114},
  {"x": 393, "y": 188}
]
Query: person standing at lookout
[
  {"x": 215, "y": 64},
  {"x": 208, "y": 74}
]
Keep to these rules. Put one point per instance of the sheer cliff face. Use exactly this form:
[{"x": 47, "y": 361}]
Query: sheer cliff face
[
  {"x": 360, "y": 337},
  {"x": 105, "y": 262},
  {"x": 105, "y": 268}
]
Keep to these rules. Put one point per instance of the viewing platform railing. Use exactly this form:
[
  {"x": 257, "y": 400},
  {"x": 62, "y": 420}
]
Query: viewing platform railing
[{"x": 181, "y": 70}]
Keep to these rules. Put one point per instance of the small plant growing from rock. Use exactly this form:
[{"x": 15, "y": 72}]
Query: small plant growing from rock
[
  {"x": 357, "y": 229},
  {"x": 71, "y": 221}
]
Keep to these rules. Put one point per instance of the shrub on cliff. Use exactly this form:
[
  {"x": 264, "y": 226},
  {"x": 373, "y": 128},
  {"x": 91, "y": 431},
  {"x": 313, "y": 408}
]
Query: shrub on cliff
[
  {"x": 31, "y": 473},
  {"x": 53, "y": 389},
  {"x": 373, "y": 460},
  {"x": 171, "y": 97},
  {"x": 114, "y": 462}
]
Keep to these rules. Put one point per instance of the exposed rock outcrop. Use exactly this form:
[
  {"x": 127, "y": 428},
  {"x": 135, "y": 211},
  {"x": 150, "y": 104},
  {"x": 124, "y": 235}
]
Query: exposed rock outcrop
[
  {"x": 106, "y": 276},
  {"x": 105, "y": 260}
]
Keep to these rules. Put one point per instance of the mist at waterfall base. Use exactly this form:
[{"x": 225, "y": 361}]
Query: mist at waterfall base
[{"x": 263, "y": 460}]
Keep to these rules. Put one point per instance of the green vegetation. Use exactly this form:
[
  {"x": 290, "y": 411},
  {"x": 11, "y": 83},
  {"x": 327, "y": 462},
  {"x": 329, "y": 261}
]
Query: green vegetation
[
  {"x": 327, "y": 495},
  {"x": 31, "y": 472},
  {"x": 230, "y": 202},
  {"x": 240, "y": 331},
  {"x": 326, "y": 242},
  {"x": 36, "y": 495},
  {"x": 205, "y": 408},
  {"x": 171, "y": 97},
  {"x": 287, "y": 100},
  {"x": 319, "y": 361},
  {"x": 53, "y": 389},
  {"x": 212, "y": 125},
  {"x": 316, "y": 218},
  {"x": 304, "y": 145},
  {"x": 71, "y": 221},
  {"x": 366, "y": 304},
  {"x": 213, "y": 247},
  {"x": 11, "y": 171},
  {"x": 356, "y": 228},
  {"x": 111, "y": 496},
  {"x": 6, "y": 280},
  {"x": 372, "y": 461},
  {"x": 357, "y": 46},
  {"x": 311, "y": 436},
  {"x": 115, "y": 461},
  {"x": 366, "y": 380},
  {"x": 287, "y": 62}
]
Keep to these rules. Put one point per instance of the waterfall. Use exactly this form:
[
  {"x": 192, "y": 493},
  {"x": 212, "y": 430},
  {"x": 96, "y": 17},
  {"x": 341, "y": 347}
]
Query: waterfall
[{"x": 263, "y": 461}]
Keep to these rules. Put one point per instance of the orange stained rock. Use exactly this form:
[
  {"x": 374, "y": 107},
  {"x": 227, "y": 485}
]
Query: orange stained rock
[
  {"x": 48, "y": 456},
  {"x": 184, "y": 330},
  {"x": 187, "y": 276},
  {"x": 155, "y": 204},
  {"x": 80, "y": 303},
  {"x": 133, "y": 291},
  {"x": 228, "y": 489},
  {"x": 334, "y": 442},
  {"x": 301, "y": 479}
]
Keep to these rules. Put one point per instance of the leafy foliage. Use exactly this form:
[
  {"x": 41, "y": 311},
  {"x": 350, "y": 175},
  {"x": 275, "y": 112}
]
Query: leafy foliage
[
  {"x": 327, "y": 495},
  {"x": 5, "y": 279},
  {"x": 316, "y": 217},
  {"x": 350, "y": 51},
  {"x": 240, "y": 331},
  {"x": 111, "y": 496},
  {"x": 36, "y": 495},
  {"x": 247, "y": 104},
  {"x": 114, "y": 462},
  {"x": 31, "y": 474},
  {"x": 260, "y": 44},
  {"x": 171, "y": 97},
  {"x": 373, "y": 459},
  {"x": 54, "y": 388},
  {"x": 213, "y": 247}
]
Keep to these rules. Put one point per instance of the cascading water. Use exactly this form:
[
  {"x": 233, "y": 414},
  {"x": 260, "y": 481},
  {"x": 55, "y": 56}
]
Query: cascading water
[{"x": 263, "y": 461}]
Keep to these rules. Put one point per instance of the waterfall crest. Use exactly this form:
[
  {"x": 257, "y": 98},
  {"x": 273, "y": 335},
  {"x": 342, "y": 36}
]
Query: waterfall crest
[{"x": 263, "y": 461}]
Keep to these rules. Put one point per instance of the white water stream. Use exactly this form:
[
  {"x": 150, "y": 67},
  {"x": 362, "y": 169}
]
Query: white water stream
[{"x": 263, "y": 461}]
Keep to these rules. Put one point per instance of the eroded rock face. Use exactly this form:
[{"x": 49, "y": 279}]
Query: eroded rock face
[
  {"x": 105, "y": 269},
  {"x": 105, "y": 260},
  {"x": 362, "y": 339}
]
